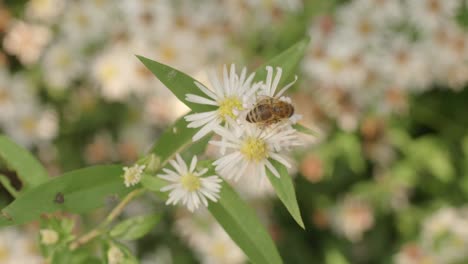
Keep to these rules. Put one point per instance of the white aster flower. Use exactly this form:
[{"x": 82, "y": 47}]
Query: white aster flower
[
  {"x": 62, "y": 64},
  {"x": 111, "y": 71},
  {"x": 17, "y": 246},
  {"x": 45, "y": 10},
  {"x": 115, "y": 255},
  {"x": 26, "y": 41},
  {"x": 49, "y": 236},
  {"x": 251, "y": 149},
  {"x": 352, "y": 218},
  {"x": 228, "y": 97},
  {"x": 208, "y": 239},
  {"x": 187, "y": 185},
  {"x": 132, "y": 174},
  {"x": 269, "y": 88}
]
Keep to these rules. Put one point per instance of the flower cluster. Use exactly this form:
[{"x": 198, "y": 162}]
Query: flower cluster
[
  {"x": 443, "y": 239},
  {"x": 189, "y": 186},
  {"x": 250, "y": 145},
  {"x": 378, "y": 51},
  {"x": 249, "y": 148},
  {"x": 208, "y": 239},
  {"x": 17, "y": 246}
]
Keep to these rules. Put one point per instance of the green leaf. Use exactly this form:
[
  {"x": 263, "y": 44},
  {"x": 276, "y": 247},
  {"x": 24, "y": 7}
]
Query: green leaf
[
  {"x": 288, "y": 60},
  {"x": 305, "y": 130},
  {"x": 284, "y": 188},
  {"x": 177, "y": 137},
  {"x": 173, "y": 140},
  {"x": 243, "y": 226},
  {"x": 7, "y": 185},
  {"x": 178, "y": 82},
  {"x": 135, "y": 227},
  {"x": 74, "y": 192},
  {"x": 152, "y": 183},
  {"x": 29, "y": 170}
]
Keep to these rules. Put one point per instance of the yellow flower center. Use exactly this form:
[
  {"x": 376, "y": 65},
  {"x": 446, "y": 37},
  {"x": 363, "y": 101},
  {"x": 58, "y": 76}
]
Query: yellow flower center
[
  {"x": 336, "y": 64},
  {"x": 109, "y": 72},
  {"x": 168, "y": 53},
  {"x": 4, "y": 96},
  {"x": 254, "y": 149},
  {"x": 63, "y": 60},
  {"x": 219, "y": 250},
  {"x": 4, "y": 254},
  {"x": 227, "y": 106},
  {"x": 190, "y": 182},
  {"x": 29, "y": 125}
]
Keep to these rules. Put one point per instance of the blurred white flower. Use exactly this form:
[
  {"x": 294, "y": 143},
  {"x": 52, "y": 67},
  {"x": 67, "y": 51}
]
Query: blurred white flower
[
  {"x": 405, "y": 65},
  {"x": 31, "y": 124},
  {"x": 111, "y": 71},
  {"x": 430, "y": 14},
  {"x": 188, "y": 186},
  {"x": 26, "y": 41},
  {"x": 85, "y": 22},
  {"x": 62, "y": 64},
  {"x": 208, "y": 239},
  {"x": 374, "y": 46},
  {"x": 145, "y": 17},
  {"x": 250, "y": 148},
  {"x": 445, "y": 235},
  {"x": 413, "y": 254},
  {"x": 162, "y": 255},
  {"x": 47, "y": 126},
  {"x": 45, "y": 10},
  {"x": 14, "y": 91},
  {"x": 161, "y": 108},
  {"x": 132, "y": 175},
  {"x": 227, "y": 97},
  {"x": 217, "y": 247},
  {"x": 18, "y": 247},
  {"x": 352, "y": 217},
  {"x": 115, "y": 255},
  {"x": 49, "y": 236}
]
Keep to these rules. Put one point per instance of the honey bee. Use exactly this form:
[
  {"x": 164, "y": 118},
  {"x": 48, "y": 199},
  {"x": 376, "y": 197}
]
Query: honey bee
[{"x": 269, "y": 111}]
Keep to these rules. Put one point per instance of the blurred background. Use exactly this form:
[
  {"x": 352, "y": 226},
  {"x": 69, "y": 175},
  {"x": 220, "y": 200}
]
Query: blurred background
[{"x": 383, "y": 82}]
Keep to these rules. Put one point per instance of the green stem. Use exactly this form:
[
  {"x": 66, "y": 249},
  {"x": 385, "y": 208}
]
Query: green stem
[
  {"x": 7, "y": 184},
  {"x": 111, "y": 217}
]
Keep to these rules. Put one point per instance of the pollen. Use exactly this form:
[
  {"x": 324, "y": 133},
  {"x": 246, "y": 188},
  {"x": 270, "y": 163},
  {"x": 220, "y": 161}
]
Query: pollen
[
  {"x": 336, "y": 64},
  {"x": 227, "y": 107},
  {"x": 190, "y": 182},
  {"x": 254, "y": 149}
]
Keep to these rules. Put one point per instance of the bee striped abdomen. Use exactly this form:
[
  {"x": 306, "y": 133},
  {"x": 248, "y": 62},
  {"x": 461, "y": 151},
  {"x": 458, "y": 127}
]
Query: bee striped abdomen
[{"x": 269, "y": 111}]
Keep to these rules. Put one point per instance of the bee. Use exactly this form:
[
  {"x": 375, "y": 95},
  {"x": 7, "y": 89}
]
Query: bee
[{"x": 269, "y": 110}]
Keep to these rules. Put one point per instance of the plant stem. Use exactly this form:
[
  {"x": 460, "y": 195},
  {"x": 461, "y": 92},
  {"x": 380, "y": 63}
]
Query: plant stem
[
  {"x": 7, "y": 184},
  {"x": 111, "y": 217}
]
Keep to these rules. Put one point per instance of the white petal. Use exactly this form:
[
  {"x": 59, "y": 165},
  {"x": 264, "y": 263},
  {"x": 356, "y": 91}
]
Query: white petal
[
  {"x": 206, "y": 91},
  {"x": 287, "y": 86},
  {"x": 272, "y": 168},
  {"x": 200, "y": 100},
  {"x": 193, "y": 163},
  {"x": 280, "y": 159}
]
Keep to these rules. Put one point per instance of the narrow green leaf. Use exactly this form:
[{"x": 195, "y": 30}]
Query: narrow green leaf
[
  {"x": 7, "y": 184},
  {"x": 135, "y": 227},
  {"x": 243, "y": 226},
  {"x": 152, "y": 183},
  {"x": 173, "y": 140},
  {"x": 29, "y": 170},
  {"x": 288, "y": 60},
  {"x": 305, "y": 130},
  {"x": 178, "y": 82},
  {"x": 74, "y": 192},
  {"x": 284, "y": 188}
]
